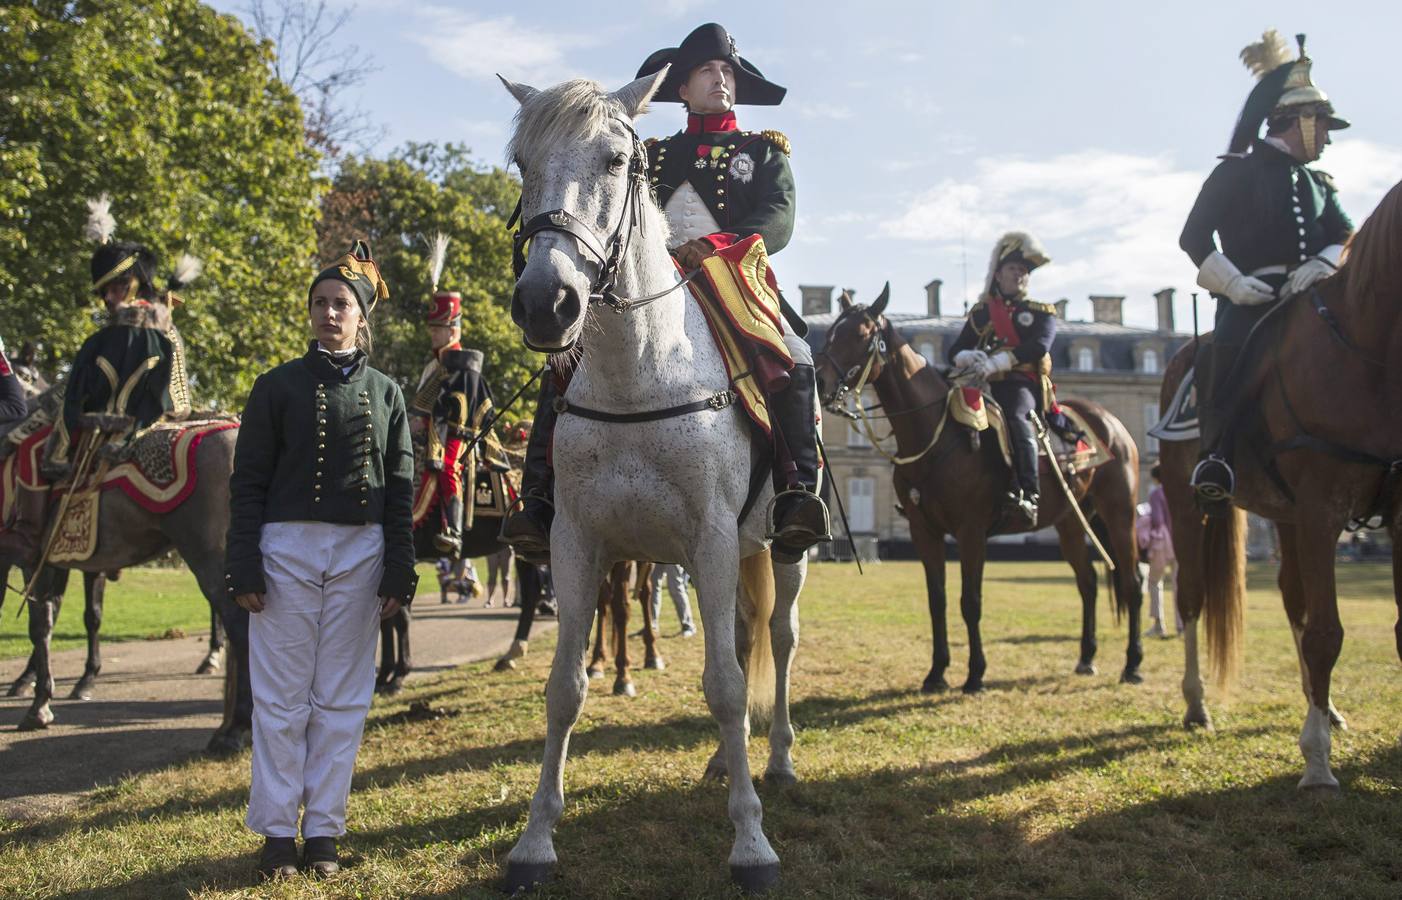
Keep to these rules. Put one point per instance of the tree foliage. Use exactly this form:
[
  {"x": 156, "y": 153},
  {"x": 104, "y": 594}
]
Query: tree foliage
[
  {"x": 397, "y": 204},
  {"x": 174, "y": 110}
]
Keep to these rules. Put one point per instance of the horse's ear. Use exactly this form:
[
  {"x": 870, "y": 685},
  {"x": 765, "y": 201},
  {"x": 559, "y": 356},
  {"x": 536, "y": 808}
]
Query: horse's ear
[
  {"x": 844, "y": 300},
  {"x": 635, "y": 95},
  {"x": 522, "y": 92},
  {"x": 879, "y": 306}
]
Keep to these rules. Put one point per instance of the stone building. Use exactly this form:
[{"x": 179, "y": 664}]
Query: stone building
[{"x": 1116, "y": 365}]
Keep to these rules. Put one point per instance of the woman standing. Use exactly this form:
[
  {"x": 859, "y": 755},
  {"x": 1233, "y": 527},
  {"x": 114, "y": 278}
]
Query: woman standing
[{"x": 319, "y": 550}]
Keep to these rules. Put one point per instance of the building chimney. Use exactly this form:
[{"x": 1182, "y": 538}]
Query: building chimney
[
  {"x": 1165, "y": 302},
  {"x": 1061, "y": 308},
  {"x": 932, "y": 298},
  {"x": 817, "y": 299},
  {"x": 1107, "y": 310}
]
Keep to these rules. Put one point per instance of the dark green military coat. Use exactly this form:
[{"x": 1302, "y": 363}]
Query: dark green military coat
[
  {"x": 1267, "y": 209},
  {"x": 743, "y": 177},
  {"x": 319, "y": 445}
]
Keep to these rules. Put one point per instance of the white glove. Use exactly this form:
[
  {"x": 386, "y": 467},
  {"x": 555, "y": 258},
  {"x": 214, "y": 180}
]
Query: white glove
[
  {"x": 967, "y": 359},
  {"x": 1316, "y": 268},
  {"x": 1002, "y": 361},
  {"x": 1221, "y": 276}
]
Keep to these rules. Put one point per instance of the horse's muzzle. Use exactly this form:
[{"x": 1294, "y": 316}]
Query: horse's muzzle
[{"x": 547, "y": 316}]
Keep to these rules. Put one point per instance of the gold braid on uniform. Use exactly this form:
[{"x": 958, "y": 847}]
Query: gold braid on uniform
[
  {"x": 778, "y": 139},
  {"x": 426, "y": 398},
  {"x": 1035, "y": 306}
]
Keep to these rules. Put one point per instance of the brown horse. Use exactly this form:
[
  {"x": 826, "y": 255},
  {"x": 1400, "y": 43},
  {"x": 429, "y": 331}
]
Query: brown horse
[
  {"x": 128, "y": 535},
  {"x": 624, "y": 577},
  {"x": 949, "y": 484},
  {"x": 1326, "y": 451}
]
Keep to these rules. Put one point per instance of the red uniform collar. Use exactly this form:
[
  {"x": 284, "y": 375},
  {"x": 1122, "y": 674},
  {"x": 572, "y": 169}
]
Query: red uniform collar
[
  {"x": 699, "y": 124},
  {"x": 455, "y": 345}
]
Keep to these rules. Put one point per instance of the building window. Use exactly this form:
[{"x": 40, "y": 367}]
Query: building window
[
  {"x": 1151, "y": 418},
  {"x": 855, "y": 436},
  {"x": 861, "y": 504},
  {"x": 1085, "y": 359},
  {"x": 927, "y": 350},
  {"x": 1149, "y": 364}
]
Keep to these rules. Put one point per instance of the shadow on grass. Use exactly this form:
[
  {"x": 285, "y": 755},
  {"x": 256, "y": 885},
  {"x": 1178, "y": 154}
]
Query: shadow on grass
[{"x": 899, "y": 833}]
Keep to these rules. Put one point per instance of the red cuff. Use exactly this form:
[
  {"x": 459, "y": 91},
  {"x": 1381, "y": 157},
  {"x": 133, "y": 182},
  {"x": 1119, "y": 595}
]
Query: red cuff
[{"x": 720, "y": 240}]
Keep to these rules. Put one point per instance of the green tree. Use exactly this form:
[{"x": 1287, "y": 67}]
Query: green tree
[
  {"x": 174, "y": 110},
  {"x": 397, "y": 204}
]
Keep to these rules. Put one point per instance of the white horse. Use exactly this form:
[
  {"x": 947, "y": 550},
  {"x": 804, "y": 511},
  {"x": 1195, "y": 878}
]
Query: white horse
[{"x": 668, "y": 489}]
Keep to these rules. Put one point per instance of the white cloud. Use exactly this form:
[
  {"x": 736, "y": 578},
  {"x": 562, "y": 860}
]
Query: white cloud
[
  {"x": 823, "y": 111},
  {"x": 480, "y": 48},
  {"x": 1365, "y": 171}
]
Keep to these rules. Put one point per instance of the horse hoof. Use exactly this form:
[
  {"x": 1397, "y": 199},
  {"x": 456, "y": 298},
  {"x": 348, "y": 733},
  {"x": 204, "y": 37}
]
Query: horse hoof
[
  {"x": 394, "y": 686},
  {"x": 208, "y": 667},
  {"x": 972, "y": 687},
  {"x": 1085, "y": 668},
  {"x": 624, "y": 689},
  {"x": 755, "y": 879},
  {"x": 594, "y": 674},
  {"x": 504, "y": 665},
  {"x": 1324, "y": 790},
  {"x": 715, "y": 771},
  {"x": 935, "y": 684},
  {"x": 36, "y": 721},
  {"x": 1131, "y": 676},
  {"x": 780, "y": 779},
  {"x": 656, "y": 664},
  {"x": 1197, "y": 719},
  {"x": 227, "y": 743},
  {"x": 22, "y": 688},
  {"x": 1337, "y": 721},
  {"x": 521, "y": 877},
  {"x": 81, "y": 692}
]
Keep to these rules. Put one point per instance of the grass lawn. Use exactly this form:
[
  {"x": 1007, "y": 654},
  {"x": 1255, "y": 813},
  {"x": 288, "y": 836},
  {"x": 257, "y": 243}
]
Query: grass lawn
[
  {"x": 145, "y": 603},
  {"x": 1047, "y": 785}
]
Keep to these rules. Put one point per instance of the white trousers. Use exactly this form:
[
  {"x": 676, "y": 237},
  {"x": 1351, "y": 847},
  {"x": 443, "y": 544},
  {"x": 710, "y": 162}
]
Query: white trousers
[
  {"x": 676, "y": 587},
  {"x": 1159, "y": 569},
  {"x": 311, "y": 654}
]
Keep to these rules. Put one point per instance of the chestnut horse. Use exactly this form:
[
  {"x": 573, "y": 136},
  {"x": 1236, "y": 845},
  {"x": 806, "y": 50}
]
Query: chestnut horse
[
  {"x": 1327, "y": 451},
  {"x": 624, "y": 578},
  {"x": 949, "y": 484}
]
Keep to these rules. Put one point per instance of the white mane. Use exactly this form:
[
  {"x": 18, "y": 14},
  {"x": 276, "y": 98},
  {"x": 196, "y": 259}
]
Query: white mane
[{"x": 569, "y": 112}]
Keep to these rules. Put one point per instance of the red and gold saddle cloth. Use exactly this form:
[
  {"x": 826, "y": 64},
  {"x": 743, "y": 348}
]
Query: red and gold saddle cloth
[
  {"x": 739, "y": 295},
  {"x": 972, "y": 410},
  {"x": 157, "y": 470}
]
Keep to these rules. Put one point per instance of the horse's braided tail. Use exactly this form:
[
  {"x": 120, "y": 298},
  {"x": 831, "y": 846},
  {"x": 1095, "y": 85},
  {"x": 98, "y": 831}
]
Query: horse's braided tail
[
  {"x": 1224, "y": 592},
  {"x": 757, "y": 606}
]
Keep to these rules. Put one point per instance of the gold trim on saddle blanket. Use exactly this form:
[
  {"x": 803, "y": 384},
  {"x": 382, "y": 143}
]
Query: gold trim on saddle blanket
[
  {"x": 1072, "y": 461},
  {"x": 742, "y": 307},
  {"x": 76, "y": 537}
]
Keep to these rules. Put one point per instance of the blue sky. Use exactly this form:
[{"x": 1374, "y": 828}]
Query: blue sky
[{"x": 922, "y": 131}]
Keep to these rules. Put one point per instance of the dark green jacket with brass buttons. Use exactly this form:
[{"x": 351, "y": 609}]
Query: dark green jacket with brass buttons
[{"x": 319, "y": 445}]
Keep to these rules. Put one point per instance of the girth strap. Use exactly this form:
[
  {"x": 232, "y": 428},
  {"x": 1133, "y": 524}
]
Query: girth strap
[{"x": 717, "y": 401}]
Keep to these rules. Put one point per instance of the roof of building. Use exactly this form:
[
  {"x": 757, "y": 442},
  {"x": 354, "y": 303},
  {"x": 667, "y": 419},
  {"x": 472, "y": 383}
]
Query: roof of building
[{"x": 912, "y": 322}]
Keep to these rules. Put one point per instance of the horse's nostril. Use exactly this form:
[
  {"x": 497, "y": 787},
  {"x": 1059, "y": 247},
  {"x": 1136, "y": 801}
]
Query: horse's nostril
[{"x": 567, "y": 306}]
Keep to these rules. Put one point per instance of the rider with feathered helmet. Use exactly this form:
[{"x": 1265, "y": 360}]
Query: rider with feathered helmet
[
  {"x": 131, "y": 372},
  {"x": 1265, "y": 227},
  {"x": 717, "y": 185},
  {"x": 1006, "y": 343}
]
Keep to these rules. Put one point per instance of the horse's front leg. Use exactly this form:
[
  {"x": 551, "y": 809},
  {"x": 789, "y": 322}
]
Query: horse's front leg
[
  {"x": 1321, "y": 641},
  {"x": 601, "y": 616},
  {"x": 43, "y": 612},
  {"x": 618, "y": 611},
  {"x": 1292, "y": 592},
  {"x": 929, "y": 546},
  {"x": 94, "y": 587},
  {"x": 1077, "y": 556},
  {"x": 577, "y": 571},
  {"x": 646, "y": 592},
  {"x": 217, "y": 638},
  {"x": 753, "y": 863},
  {"x": 972, "y": 550},
  {"x": 783, "y": 633}
]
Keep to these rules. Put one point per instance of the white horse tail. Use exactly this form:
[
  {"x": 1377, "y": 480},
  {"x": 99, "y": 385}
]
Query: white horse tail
[{"x": 757, "y": 606}]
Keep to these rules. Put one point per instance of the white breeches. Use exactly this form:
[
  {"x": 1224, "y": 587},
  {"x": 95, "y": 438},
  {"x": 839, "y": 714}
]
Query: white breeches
[
  {"x": 1159, "y": 569},
  {"x": 798, "y": 348},
  {"x": 311, "y": 655},
  {"x": 676, "y": 588}
]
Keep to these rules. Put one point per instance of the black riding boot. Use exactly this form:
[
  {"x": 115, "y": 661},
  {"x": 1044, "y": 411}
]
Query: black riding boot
[
  {"x": 1022, "y": 498},
  {"x": 527, "y": 529},
  {"x": 798, "y": 517},
  {"x": 1213, "y": 478},
  {"x": 449, "y": 537}
]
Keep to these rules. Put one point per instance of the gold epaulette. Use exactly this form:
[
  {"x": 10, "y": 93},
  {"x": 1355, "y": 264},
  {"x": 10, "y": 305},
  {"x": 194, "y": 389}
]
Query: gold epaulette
[
  {"x": 650, "y": 142},
  {"x": 1047, "y": 308},
  {"x": 778, "y": 139}
]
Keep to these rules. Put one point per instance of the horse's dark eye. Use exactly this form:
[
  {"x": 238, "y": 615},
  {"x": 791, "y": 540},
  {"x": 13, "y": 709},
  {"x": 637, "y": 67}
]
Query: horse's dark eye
[{"x": 618, "y": 162}]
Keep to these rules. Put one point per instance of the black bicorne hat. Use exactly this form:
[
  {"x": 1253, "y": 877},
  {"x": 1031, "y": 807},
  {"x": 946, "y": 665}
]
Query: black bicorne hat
[
  {"x": 706, "y": 43},
  {"x": 124, "y": 259}
]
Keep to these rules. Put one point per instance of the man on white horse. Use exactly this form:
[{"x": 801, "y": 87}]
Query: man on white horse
[{"x": 716, "y": 185}]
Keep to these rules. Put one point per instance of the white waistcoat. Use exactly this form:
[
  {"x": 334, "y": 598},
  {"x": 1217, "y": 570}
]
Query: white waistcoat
[{"x": 688, "y": 215}]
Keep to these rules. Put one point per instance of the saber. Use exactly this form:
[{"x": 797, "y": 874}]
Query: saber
[{"x": 1044, "y": 438}]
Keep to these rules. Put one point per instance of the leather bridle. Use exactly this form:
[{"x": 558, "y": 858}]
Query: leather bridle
[{"x": 608, "y": 253}]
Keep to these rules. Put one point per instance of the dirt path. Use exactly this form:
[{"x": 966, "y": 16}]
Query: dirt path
[{"x": 150, "y": 711}]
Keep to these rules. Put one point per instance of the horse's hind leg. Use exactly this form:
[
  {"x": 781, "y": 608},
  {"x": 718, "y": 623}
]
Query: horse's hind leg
[
  {"x": 211, "y": 662},
  {"x": 601, "y": 611},
  {"x": 619, "y": 588},
  {"x": 1292, "y": 592},
  {"x": 43, "y": 612},
  {"x": 645, "y": 592},
  {"x": 577, "y": 578},
  {"x": 94, "y": 589},
  {"x": 1323, "y": 637},
  {"x": 929, "y": 545},
  {"x": 783, "y": 635},
  {"x": 973, "y": 550},
  {"x": 1077, "y": 555}
]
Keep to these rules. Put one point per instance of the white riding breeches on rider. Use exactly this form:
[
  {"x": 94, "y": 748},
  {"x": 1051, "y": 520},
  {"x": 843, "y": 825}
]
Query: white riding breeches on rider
[{"x": 311, "y": 658}]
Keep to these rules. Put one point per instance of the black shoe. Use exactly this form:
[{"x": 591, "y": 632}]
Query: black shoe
[
  {"x": 1214, "y": 483},
  {"x": 319, "y": 857},
  {"x": 526, "y": 533},
  {"x": 799, "y": 520},
  {"x": 1020, "y": 510},
  {"x": 278, "y": 859}
]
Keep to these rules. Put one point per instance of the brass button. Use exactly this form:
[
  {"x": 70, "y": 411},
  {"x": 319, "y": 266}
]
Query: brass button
[
  {"x": 318, "y": 474},
  {"x": 321, "y": 459},
  {"x": 720, "y": 192},
  {"x": 720, "y": 206},
  {"x": 720, "y": 178},
  {"x": 321, "y": 446},
  {"x": 364, "y": 502},
  {"x": 316, "y": 499}
]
